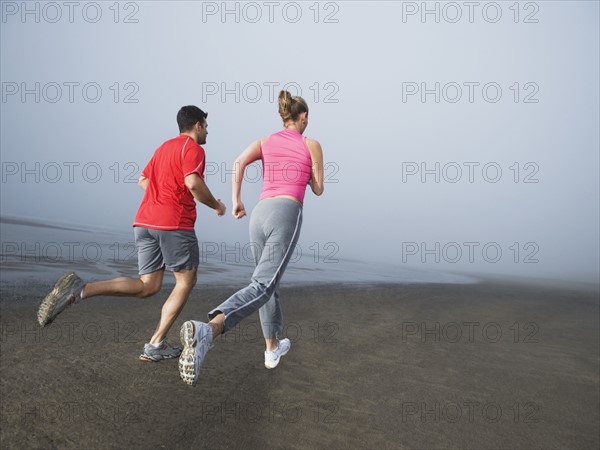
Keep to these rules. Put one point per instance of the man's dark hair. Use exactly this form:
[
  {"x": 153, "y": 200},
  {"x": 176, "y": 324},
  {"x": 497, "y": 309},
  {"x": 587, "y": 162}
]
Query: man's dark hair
[{"x": 188, "y": 116}]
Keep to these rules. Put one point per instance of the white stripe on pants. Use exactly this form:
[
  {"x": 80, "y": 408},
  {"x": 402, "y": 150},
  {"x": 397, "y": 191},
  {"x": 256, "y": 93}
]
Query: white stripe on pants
[{"x": 274, "y": 230}]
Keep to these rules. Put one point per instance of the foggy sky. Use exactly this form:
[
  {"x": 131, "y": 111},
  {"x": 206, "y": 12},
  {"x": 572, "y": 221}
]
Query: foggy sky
[{"x": 408, "y": 179}]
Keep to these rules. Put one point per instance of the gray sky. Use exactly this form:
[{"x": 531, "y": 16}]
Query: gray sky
[{"x": 499, "y": 175}]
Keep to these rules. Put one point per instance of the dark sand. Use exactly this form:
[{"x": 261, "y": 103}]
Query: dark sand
[{"x": 499, "y": 366}]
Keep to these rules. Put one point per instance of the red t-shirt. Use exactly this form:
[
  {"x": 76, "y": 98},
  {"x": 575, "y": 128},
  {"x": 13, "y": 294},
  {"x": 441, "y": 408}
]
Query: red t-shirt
[{"x": 168, "y": 204}]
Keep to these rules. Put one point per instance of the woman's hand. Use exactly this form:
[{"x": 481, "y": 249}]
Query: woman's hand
[{"x": 238, "y": 210}]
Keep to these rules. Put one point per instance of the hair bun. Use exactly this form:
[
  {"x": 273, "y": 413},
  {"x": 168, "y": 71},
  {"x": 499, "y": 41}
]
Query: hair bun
[
  {"x": 290, "y": 107},
  {"x": 285, "y": 105}
]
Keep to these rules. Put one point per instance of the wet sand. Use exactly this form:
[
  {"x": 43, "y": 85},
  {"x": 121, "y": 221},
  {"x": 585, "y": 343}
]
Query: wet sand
[{"x": 483, "y": 366}]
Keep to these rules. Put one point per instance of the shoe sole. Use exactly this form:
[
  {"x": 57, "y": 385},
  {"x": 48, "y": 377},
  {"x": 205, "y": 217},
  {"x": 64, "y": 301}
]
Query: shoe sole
[
  {"x": 283, "y": 354},
  {"x": 48, "y": 304},
  {"x": 148, "y": 358},
  {"x": 187, "y": 365}
]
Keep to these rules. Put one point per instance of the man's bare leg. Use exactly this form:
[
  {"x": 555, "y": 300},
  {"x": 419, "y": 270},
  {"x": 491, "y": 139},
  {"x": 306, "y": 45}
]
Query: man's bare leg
[
  {"x": 185, "y": 280},
  {"x": 145, "y": 286}
]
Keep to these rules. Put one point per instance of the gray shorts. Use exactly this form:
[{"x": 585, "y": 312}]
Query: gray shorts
[{"x": 173, "y": 249}]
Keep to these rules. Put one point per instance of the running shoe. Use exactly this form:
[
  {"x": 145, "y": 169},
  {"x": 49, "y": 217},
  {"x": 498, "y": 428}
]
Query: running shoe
[
  {"x": 164, "y": 350},
  {"x": 65, "y": 293},
  {"x": 196, "y": 338},
  {"x": 272, "y": 358}
]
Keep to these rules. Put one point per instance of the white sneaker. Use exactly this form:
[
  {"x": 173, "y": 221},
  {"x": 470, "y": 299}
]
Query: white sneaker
[
  {"x": 272, "y": 358},
  {"x": 65, "y": 293},
  {"x": 196, "y": 338}
]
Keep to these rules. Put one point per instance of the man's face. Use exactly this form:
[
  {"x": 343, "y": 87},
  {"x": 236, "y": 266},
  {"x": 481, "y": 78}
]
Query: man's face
[{"x": 202, "y": 131}]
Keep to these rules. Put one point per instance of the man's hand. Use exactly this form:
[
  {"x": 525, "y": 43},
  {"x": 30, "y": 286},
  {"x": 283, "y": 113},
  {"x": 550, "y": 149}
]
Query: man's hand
[
  {"x": 238, "y": 209},
  {"x": 221, "y": 208}
]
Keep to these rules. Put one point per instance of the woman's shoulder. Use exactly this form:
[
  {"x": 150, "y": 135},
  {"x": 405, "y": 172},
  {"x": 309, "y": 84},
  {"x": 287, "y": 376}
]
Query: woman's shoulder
[
  {"x": 312, "y": 143},
  {"x": 271, "y": 136}
]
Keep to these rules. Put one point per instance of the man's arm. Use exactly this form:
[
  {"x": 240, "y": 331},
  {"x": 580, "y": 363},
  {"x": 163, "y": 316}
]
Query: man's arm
[
  {"x": 200, "y": 191},
  {"x": 143, "y": 182}
]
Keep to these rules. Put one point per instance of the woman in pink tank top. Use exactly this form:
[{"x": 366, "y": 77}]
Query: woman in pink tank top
[{"x": 290, "y": 163}]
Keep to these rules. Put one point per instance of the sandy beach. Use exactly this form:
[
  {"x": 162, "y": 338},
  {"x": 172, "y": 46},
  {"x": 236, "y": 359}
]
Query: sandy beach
[{"x": 482, "y": 366}]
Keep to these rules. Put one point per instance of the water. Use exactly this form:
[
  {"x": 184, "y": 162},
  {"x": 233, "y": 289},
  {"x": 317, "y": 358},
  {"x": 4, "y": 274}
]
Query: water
[{"x": 38, "y": 250}]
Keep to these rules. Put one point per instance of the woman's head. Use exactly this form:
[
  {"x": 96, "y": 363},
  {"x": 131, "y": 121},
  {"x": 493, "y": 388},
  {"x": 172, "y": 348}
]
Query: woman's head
[{"x": 293, "y": 110}]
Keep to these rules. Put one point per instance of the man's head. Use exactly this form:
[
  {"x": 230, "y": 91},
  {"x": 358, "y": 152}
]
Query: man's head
[{"x": 192, "y": 121}]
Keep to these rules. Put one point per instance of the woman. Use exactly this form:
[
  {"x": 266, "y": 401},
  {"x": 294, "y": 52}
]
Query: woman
[{"x": 290, "y": 162}]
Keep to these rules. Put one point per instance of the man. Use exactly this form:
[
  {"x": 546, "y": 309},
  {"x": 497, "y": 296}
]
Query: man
[{"x": 164, "y": 234}]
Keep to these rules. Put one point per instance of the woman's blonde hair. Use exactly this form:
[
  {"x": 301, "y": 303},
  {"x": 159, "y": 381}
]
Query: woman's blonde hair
[{"x": 290, "y": 107}]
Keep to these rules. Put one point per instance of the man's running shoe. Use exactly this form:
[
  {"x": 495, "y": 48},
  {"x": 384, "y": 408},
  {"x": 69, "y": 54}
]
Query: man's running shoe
[
  {"x": 65, "y": 293},
  {"x": 164, "y": 350},
  {"x": 196, "y": 338},
  {"x": 272, "y": 358}
]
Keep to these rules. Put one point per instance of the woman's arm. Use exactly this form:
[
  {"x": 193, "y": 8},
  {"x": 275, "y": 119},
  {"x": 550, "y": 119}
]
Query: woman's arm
[
  {"x": 316, "y": 154},
  {"x": 248, "y": 156}
]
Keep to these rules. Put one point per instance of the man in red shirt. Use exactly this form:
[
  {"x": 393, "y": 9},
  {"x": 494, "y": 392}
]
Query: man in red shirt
[{"x": 164, "y": 234}]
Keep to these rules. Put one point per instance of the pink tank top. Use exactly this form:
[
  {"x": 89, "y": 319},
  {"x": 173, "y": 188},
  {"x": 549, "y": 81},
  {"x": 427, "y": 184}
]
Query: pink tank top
[{"x": 286, "y": 165}]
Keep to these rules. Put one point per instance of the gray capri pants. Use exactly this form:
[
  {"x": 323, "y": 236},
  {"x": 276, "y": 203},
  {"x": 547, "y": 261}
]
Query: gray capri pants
[{"x": 274, "y": 230}]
